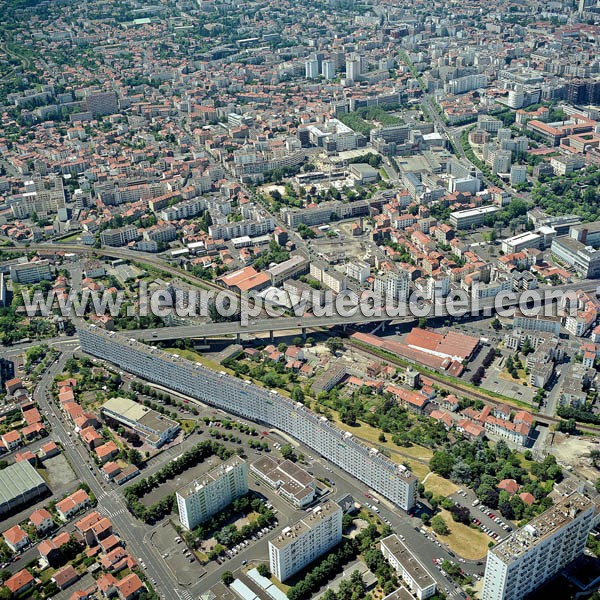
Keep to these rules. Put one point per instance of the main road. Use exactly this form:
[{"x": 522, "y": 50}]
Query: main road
[
  {"x": 485, "y": 307},
  {"x": 110, "y": 501},
  {"x": 278, "y": 323}
]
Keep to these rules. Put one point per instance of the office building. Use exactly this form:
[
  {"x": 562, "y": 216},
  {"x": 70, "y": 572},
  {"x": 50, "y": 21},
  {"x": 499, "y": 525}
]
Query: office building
[
  {"x": 302, "y": 543},
  {"x": 472, "y": 217},
  {"x": 393, "y": 481},
  {"x": 536, "y": 552},
  {"x": 288, "y": 269},
  {"x": 212, "y": 492},
  {"x": 156, "y": 429},
  {"x": 519, "y": 242},
  {"x": 561, "y": 224},
  {"x": 31, "y": 272},
  {"x": 20, "y": 483},
  {"x": 584, "y": 259},
  {"x": 412, "y": 571}
]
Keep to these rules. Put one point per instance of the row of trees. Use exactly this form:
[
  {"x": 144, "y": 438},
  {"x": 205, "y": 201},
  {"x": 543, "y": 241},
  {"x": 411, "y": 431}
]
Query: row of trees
[{"x": 228, "y": 534}]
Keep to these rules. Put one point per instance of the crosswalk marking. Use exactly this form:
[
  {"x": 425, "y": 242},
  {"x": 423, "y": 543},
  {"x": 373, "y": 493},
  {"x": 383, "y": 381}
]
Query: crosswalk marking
[{"x": 114, "y": 513}]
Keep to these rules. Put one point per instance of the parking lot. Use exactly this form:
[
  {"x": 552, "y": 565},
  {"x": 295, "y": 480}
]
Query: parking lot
[
  {"x": 492, "y": 381},
  {"x": 490, "y": 521},
  {"x": 175, "y": 554}
]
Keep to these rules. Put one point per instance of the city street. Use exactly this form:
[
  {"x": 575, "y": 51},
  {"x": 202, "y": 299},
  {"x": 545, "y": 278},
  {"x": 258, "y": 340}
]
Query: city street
[{"x": 110, "y": 501}]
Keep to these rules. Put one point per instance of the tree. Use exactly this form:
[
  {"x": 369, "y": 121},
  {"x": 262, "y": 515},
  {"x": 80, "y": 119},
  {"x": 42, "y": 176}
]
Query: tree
[
  {"x": 422, "y": 324},
  {"x": 134, "y": 456},
  {"x": 264, "y": 570},
  {"x": 297, "y": 394},
  {"x": 439, "y": 526},
  {"x": 227, "y": 578},
  {"x": 335, "y": 344},
  {"x": 287, "y": 452},
  {"x": 441, "y": 463}
]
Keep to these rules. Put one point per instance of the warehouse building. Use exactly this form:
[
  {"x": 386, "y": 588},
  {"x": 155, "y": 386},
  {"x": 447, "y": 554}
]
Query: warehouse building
[{"x": 20, "y": 483}]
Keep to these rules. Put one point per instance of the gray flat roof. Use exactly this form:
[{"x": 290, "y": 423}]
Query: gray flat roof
[{"x": 18, "y": 479}]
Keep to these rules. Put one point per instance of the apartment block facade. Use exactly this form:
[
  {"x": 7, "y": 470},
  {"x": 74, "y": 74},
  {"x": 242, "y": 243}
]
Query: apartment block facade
[
  {"x": 301, "y": 543},
  {"x": 533, "y": 554},
  {"x": 393, "y": 481}
]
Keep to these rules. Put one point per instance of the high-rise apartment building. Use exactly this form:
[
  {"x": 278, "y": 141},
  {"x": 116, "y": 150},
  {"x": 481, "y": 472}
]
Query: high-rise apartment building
[
  {"x": 212, "y": 492},
  {"x": 311, "y": 68},
  {"x": 298, "y": 545},
  {"x": 41, "y": 196},
  {"x": 533, "y": 554},
  {"x": 353, "y": 67},
  {"x": 394, "y": 482},
  {"x": 7, "y": 370},
  {"x": 392, "y": 285},
  {"x": 329, "y": 69},
  {"x": 103, "y": 103}
]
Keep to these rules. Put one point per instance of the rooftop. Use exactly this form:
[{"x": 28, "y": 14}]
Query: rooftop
[
  {"x": 18, "y": 479},
  {"x": 408, "y": 560},
  {"x": 211, "y": 476},
  {"x": 543, "y": 526},
  {"x": 290, "y": 534}
]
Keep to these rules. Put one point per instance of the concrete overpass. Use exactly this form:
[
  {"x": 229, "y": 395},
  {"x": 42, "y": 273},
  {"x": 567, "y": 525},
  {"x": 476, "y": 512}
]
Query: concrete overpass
[{"x": 303, "y": 323}]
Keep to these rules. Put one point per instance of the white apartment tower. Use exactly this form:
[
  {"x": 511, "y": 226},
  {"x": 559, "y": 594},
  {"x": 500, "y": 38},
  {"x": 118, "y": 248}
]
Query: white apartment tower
[
  {"x": 311, "y": 68},
  {"x": 535, "y": 553},
  {"x": 392, "y": 286},
  {"x": 298, "y": 545},
  {"x": 211, "y": 493},
  {"x": 353, "y": 67},
  {"x": 329, "y": 69}
]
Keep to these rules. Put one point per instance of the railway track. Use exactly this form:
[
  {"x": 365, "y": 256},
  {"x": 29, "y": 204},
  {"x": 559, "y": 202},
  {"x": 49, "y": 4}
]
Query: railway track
[{"x": 470, "y": 393}]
